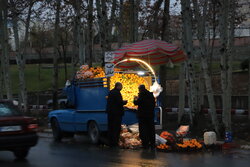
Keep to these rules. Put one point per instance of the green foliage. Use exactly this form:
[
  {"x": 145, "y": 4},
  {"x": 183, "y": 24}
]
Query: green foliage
[{"x": 32, "y": 80}]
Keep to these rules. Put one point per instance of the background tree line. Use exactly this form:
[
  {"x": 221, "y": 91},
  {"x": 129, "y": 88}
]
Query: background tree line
[{"x": 80, "y": 24}]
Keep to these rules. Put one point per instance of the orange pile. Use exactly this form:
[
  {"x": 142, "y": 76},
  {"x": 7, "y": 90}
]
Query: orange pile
[
  {"x": 85, "y": 72},
  {"x": 193, "y": 143},
  {"x": 163, "y": 147},
  {"x": 98, "y": 72},
  {"x": 93, "y": 72}
]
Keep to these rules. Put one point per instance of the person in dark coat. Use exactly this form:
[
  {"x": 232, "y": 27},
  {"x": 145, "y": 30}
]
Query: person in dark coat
[
  {"x": 146, "y": 105},
  {"x": 115, "y": 112}
]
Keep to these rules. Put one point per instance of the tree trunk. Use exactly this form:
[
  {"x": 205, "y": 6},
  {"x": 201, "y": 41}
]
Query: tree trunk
[
  {"x": 80, "y": 32},
  {"x": 132, "y": 21},
  {"x": 249, "y": 88},
  {"x": 21, "y": 56},
  {"x": 133, "y": 16},
  {"x": 163, "y": 80},
  {"x": 104, "y": 27},
  {"x": 75, "y": 57},
  {"x": 64, "y": 52},
  {"x": 163, "y": 68},
  {"x": 188, "y": 47},
  {"x": 1, "y": 51},
  {"x": 112, "y": 21},
  {"x": 165, "y": 26},
  {"x": 27, "y": 26},
  {"x": 39, "y": 69},
  {"x": 19, "y": 60},
  {"x": 210, "y": 94},
  {"x": 181, "y": 92},
  {"x": 156, "y": 11},
  {"x": 201, "y": 89},
  {"x": 214, "y": 25},
  {"x": 5, "y": 50},
  {"x": 101, "y": 28},
  {"x": 226, "y": 27},
  {"x": 189, "y": 93},
  {"x": 1, "y": 83},
  {"x": 1, "y": 73},
  {"x": 231, "y": 53},
  {"x": 136, "y": 25},
  {"x": 120, "y": 25},
  {"x": 89, "y": 40},
  {"x": 201, "y": 27},
  {"x": 55, "y": 58}
]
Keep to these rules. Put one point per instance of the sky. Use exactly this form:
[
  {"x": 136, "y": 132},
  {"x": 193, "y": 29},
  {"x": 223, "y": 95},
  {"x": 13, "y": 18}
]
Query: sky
[{"x": 175, "y": 9}]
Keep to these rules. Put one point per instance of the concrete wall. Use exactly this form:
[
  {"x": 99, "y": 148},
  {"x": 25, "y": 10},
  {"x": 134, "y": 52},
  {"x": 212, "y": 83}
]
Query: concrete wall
[{"x": 242, "y": 50}]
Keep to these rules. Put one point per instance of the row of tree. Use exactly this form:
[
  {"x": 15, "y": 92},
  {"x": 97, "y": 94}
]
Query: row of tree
[
  {"x": 76, "y": 23},
  {"x": 199, "y": 18},
  {"x": 81, "y": 24}
]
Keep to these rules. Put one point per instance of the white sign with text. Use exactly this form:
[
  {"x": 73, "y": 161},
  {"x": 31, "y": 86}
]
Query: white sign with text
[
  {"x": 109, "y": 57},
  {"x": 109, "y": 69}
]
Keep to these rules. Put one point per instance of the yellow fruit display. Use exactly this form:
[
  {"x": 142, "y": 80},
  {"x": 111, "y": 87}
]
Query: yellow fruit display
[
  {"x": 130, "y": 84},
  {"x": 129, "y": 81}
]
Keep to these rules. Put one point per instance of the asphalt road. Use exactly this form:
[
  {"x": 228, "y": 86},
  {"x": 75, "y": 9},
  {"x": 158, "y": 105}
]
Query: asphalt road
[{"x": 79, "y": 153}]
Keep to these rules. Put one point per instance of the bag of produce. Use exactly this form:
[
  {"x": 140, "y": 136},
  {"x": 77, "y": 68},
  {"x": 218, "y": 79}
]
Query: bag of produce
[
  {"x": 182, "y": 131},
  {"x": 159, "y": 140},
  {"x": 134, "y": 128}
]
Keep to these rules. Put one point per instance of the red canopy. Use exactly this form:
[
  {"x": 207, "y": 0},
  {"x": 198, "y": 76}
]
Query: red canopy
[{"x": 154, "y": 52}]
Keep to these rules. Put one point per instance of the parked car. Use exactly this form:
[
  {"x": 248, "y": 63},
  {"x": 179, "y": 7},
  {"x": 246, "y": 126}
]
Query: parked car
[{"x": 17, "y": 132}]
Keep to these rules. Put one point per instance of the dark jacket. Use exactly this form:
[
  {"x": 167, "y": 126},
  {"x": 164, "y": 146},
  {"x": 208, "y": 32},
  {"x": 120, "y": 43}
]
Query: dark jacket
[
  {"x": 146, "y": 104},
  {"x": 115, "y": 103}
]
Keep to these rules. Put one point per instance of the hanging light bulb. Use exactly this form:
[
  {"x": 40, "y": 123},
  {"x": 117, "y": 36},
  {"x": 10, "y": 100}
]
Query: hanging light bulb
[{"x": 141, "y": 73}]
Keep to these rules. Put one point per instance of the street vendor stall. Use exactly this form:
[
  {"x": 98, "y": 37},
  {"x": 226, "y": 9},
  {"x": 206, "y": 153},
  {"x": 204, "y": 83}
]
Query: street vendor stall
[
  {"x": 88, "y": 91},
  {"x": 149, "y": 53},
  {"x": 86, "y": 96}
]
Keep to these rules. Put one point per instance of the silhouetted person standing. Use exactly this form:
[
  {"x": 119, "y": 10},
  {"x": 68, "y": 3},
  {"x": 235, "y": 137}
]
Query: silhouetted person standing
[
  {"x": 115, "y": 112},
  {"x": 146, "y": 105}
]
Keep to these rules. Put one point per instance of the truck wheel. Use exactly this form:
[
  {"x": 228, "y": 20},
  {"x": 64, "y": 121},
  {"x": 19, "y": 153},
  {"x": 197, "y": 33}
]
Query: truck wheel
[
  {"x": 57, "y": 133},
  {"x": 93, "y": 132},
  {"x": 21, "y": 153}
]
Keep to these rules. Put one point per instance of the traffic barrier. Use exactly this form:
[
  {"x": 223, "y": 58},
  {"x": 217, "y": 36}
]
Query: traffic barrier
[
  {"x": 38, "y": 107},
  {"x": 207, "y": 110}
]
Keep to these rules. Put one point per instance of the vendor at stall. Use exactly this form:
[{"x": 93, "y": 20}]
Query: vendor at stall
[
  {"x": 146, "y": 105},
  {"x": 115, "y": 112}
]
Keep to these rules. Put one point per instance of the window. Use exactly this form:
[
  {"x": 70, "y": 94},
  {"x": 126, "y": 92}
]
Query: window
[{"x": 8, "y": 110}]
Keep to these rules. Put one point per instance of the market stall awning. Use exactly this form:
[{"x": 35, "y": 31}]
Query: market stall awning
[{"x": 154, "y": 52}]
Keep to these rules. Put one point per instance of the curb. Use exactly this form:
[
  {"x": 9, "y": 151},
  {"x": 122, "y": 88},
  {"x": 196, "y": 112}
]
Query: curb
[
  {"x": 45, "y": 133},
  {"x": 245, "y": 147}
]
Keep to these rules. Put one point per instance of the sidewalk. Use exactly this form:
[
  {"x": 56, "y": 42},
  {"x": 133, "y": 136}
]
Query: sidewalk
[{"x": 47, "y": 133}]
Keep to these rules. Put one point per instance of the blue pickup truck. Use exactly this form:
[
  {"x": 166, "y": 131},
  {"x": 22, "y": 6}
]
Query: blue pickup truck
[{"x": 86, "y": 111}]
